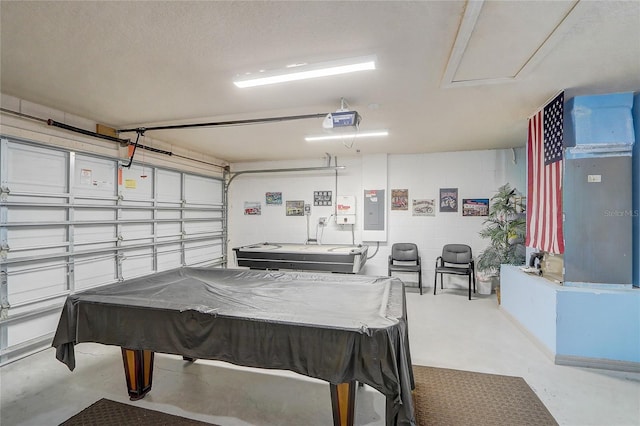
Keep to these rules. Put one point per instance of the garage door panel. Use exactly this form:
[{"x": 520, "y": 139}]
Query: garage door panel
[
  {"x": 203, "y": 214},
  {"x": 40, "y": 170},
  {"x": 137, "y": 214},
  {"x": 137, "y": 263},
  {"x": 201, "y": 190},
  {"x": 21, "y": 238},
  {"x": 202, "y": 227},
  {"x": 136, "y": 231},
  {"x": 94, "y": 233},
  {"x": 86, "y": 214},
  {"x": 53, "y": 199},
  {"x": 82, "y": 249},
  {"x": 169, "y": 230},
  {"x": 92, "y": 271},
  {"x": 36, "y": 215},
  {"x": 202, "y": 252},
  {"x": 94, "y": 176},
  {"x": 134, "y": 186},
  {"x": 23, "y": 331},
  {"x": 36, "y": 280},
  {"x": 169, "y": 257},
  {"x": 168, "y": 214},
  {"x": 169, "y": 186},
  {"x": 42, "y": 253}
]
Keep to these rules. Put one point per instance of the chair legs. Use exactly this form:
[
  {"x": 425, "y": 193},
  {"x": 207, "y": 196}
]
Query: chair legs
[
  {"x": 435, "y": 283},
  {"x": 472, "y": 276}
]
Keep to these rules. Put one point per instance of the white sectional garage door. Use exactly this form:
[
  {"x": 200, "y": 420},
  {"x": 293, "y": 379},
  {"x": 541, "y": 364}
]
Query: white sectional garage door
[{"x": 72, "y": 221}]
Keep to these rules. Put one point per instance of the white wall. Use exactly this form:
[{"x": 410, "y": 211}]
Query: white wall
[
  {"x": 476, "y": 174},
  {"x": 272, "y": 225}
]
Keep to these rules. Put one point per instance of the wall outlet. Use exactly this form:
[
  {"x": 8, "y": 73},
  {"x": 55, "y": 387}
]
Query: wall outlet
[{"x": 346, "y": 219}]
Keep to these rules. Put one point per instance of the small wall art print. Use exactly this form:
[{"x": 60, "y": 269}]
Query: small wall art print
[
  {"x": 321, "y": 198},
  {"x": 475, "y": 207},
  {"x": 273, "y": 198},
  {"x": 448, "y": 199},
  {"x": 295, "y": 208},
  {"x": 399, "y": 199},
  {"x": 424, "y": 207},
  {"x": 252, "y": 208}
]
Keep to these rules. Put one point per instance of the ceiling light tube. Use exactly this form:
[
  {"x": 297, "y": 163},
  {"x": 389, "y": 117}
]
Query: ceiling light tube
[
  {"x": 307, "y": 71},
  {"x": 374, "y": 133}
]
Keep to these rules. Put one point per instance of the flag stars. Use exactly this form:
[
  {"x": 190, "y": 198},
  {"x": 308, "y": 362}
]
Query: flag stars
[{"x": 552, "y": 135}]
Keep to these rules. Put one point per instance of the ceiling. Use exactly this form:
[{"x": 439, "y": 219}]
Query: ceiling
[{"x": 450, "y": 75}]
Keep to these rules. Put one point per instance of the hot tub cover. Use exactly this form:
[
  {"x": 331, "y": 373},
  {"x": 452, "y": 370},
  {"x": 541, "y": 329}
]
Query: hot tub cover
[{"x": 332, "y": 327}]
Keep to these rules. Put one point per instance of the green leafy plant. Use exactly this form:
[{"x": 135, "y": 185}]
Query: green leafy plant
[{"x": 505, "y": 227}]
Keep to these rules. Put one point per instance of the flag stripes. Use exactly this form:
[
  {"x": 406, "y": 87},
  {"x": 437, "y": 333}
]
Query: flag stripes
[{"x": 544, "y": 178}]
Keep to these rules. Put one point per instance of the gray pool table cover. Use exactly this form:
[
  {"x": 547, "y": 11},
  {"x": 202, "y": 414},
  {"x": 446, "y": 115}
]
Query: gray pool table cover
[{"x": 332, "y": 327}]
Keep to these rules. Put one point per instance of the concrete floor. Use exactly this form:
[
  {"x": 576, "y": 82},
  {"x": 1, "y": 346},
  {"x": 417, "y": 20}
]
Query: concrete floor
[{"x": 446, "y": 330}]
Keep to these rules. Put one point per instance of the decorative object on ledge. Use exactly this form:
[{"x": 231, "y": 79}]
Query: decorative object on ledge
[{"x": 505, "y": 228}]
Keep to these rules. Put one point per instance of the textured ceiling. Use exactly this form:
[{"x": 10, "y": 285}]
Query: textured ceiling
[{"x": 450, "y": 76}]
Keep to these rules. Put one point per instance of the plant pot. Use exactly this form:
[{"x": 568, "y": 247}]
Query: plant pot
[
  {"x": 486, "y": 282},
  {"x": 485, "y": 285}
]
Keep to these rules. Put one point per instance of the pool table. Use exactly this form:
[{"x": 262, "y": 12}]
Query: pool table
[{"x": 344, "y": 328}]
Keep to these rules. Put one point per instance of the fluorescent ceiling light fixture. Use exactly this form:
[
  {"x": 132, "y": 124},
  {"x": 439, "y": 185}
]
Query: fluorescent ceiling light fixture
[
  {"x": 305, "y": 71},
  {"x": 371, "y": 134}
]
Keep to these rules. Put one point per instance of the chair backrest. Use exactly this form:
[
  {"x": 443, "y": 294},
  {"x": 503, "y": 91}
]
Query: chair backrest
[
  {"x": 404, "y": 252},
  {"x": 456, "y": 253}
]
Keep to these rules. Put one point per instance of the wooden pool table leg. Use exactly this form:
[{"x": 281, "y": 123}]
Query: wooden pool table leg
[
  {"x": 343, "y": 402},
  {"x": 138, "y": 370}
]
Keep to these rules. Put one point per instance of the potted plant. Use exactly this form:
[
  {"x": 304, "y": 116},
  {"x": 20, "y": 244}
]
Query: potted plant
[{"x": 505, "y": 228}]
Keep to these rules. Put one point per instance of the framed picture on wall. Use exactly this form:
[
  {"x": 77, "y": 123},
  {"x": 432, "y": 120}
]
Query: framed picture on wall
[
  {"x": 424, "y": 207},
  {"x": 273, "y": 198},
  {"x": 448, "y": 199},
  {"x": 475, "y": 207},
  {"x": 295, "y": 208},
  {"x": 252, "y": 208},
  {"x": 399, "y": 199},
  {"x": 322, "y": 198}
]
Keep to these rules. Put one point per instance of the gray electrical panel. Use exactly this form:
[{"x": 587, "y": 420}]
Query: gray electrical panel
[
  {"x": 374, "y": 205},
  {"x": 597, "y": 228}
]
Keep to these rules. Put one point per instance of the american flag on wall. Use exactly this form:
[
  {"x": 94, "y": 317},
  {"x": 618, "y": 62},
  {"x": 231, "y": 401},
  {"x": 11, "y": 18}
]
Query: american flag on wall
[{"x": 544, "y": 178}]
